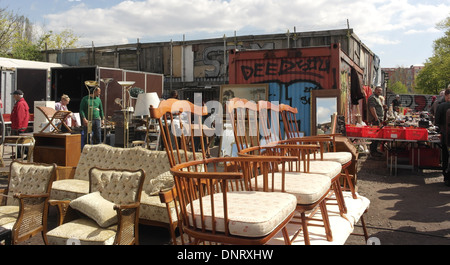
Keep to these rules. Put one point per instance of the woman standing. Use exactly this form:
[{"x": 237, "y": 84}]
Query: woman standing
[{"x": 62, "y": 105}]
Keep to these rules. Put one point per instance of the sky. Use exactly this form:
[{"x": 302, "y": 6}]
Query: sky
[{"x": 400, "y": 32}]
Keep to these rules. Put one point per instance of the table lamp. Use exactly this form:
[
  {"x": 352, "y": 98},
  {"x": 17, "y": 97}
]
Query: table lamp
[
  {"x": 142, "y": 108},
  {"x": 143, "y": 103}
]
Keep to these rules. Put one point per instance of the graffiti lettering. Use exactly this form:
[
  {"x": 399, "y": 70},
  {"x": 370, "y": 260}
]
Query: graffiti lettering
[
  {"x": 305, "y": 100},
  {"x": 415, "y": 102},
  {"x": 310, "y": 66},
  {"x": 214, "y": 56}
]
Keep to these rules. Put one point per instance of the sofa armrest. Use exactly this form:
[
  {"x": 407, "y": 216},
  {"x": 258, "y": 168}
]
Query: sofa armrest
[
  {"x": 3, "y": 193},
  {"x": 63, "y": 209}
]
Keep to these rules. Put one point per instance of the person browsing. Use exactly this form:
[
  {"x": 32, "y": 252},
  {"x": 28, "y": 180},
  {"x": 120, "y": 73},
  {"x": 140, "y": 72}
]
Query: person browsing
[{"x": 91, "y": 110}]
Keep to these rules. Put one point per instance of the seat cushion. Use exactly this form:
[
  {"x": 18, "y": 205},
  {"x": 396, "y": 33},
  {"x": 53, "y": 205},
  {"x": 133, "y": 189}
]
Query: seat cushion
[
  {"x": 153, "y": 209},
  {"x": 8, "y": 216},
  {"x": 87, "y": 231},
  {"x": 340, "y": 157},
  {"x": 330, "y": 169},
  {"x": 251, "y": 214},
  {"x": 307, "y": 188},
  {"x": 69, "y": 189}
]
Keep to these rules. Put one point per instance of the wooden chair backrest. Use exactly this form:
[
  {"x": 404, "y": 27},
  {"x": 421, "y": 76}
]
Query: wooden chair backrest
[
  {"x": 180, "y": 122},
  {"x": 243, "y": 115},
  {"x": 288, "y": 116}
]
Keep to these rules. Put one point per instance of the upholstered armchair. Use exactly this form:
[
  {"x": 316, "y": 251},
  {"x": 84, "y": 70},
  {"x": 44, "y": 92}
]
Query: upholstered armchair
[
  {"x": 24, "y": 203},
  {"x": 108, "y": 214}
]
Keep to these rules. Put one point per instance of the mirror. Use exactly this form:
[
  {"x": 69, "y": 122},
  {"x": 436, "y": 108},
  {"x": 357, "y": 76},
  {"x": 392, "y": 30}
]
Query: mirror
[
  {"x": 325, "y": 108},
  {"x": 325, "y": 102}
]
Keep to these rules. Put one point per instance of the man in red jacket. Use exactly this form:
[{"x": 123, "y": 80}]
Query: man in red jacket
[{"x": 19, "y": 116}]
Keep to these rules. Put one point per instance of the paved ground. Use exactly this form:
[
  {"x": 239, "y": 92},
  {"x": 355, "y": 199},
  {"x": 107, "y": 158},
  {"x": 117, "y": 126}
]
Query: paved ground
[{"x": 408, "y": 209}]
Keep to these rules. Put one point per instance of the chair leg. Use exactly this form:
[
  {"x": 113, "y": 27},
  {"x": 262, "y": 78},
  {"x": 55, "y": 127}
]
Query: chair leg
[
  {"x": 305, "y": 229},
  {"x": 326, "y": 221},
  {"x": 363, "y": 223},
  {"x": 287, "y": 240},
  {"x": 339, "y": 196},
  {"x": 172, "y": 228},
  {"x": 350, "y": 183}
]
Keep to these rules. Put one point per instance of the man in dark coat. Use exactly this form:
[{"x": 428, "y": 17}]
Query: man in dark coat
[{"x": 442, "y": 120}]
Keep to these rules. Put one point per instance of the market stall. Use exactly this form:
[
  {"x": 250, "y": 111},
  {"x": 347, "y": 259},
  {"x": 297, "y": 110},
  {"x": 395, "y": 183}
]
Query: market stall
[{"x": 409, "y": 139}]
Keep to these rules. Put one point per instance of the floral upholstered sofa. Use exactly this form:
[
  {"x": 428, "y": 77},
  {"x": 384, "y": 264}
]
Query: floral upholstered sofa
[{"x": 157, "y": 177}]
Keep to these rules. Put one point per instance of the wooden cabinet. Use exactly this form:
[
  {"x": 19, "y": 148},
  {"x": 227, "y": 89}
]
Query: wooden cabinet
[{"x": 62, "y": 149}]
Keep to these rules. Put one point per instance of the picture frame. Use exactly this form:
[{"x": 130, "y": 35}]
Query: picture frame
[{"x": 252, "y": 92}]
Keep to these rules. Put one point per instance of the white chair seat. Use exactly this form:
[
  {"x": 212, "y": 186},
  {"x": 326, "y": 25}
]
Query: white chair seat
[
  {"x": 8, "y": 216},
  {"x": 85, "y": 230},
  {"x": 330, "y": 169},
  {"x": 340, "y": 157},
  {"x": 251, "y": 213},
  {"x": 307, "y": 188}
]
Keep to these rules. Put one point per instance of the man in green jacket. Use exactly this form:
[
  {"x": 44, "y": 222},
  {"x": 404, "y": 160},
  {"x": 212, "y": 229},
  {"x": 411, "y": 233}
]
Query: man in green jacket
[{"x": 91, "y": 104}]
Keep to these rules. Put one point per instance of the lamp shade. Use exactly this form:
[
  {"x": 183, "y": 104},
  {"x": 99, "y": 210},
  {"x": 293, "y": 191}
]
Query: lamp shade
[{"x": 143, "y": 103}]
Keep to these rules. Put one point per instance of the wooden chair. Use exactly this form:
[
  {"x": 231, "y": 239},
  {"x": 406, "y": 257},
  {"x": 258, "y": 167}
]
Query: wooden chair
[
  {"x": 109, "y": 214},
  {"x": 327, "y": 152},
  {"x": 53, "y": 116},
  {"x": 25, "y": 201},
  {"x": 326, "y": 141},
  {"x": 310, "y": 189},
  {"x": 223, "y": 206},
  {"x": 181, "y": 129}
]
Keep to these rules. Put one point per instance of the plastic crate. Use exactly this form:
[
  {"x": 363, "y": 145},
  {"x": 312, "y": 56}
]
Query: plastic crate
[
  {"x": 419, "y": 134},
  {"x": 394, "y": 132},
  {"x": 372, "y": 132},
  {"x": 353, "y": 131}
]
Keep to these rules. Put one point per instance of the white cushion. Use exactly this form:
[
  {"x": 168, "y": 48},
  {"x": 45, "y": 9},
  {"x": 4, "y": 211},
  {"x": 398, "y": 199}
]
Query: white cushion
[
  {"x": 8, "y": 216},
  {"x": 85, "y": 230},
  {"x": 97, "y": 208},
  {"x": 251, "y": 214},
  {"x": 328, "y": 168},
  {"x": 340, "y": 157},
  {"x": 307, "y": 188}
]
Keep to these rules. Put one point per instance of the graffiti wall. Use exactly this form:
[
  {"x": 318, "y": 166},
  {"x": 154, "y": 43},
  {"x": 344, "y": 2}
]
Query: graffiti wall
[
  {"x": 291, "y": 75},
  {"x": 415, "y": 102}
]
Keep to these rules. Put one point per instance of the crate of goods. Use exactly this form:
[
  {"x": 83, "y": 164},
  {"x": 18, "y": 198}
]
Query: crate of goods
[
  {"x": 372, "y": 132},
  {"x": 419, "y": 134},
  {"x": 353, "y": 131},
  {"x": 394, "y": 132}
]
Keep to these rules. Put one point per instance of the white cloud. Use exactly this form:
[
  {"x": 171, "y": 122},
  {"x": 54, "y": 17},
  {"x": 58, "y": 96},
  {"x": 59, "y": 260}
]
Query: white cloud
[{"x": 158, "y": 19}]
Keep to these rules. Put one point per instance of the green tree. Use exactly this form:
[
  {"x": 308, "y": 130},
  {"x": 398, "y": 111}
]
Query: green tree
[
  {"x": 398, "y": 87},
  {"x": 435, "y": 76},
  {"x": 24, "y": 49},
  {"x": 57, "y": 41},
  {"x": 9, "y": 26},
  {"x": 20, "y": 40}
]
